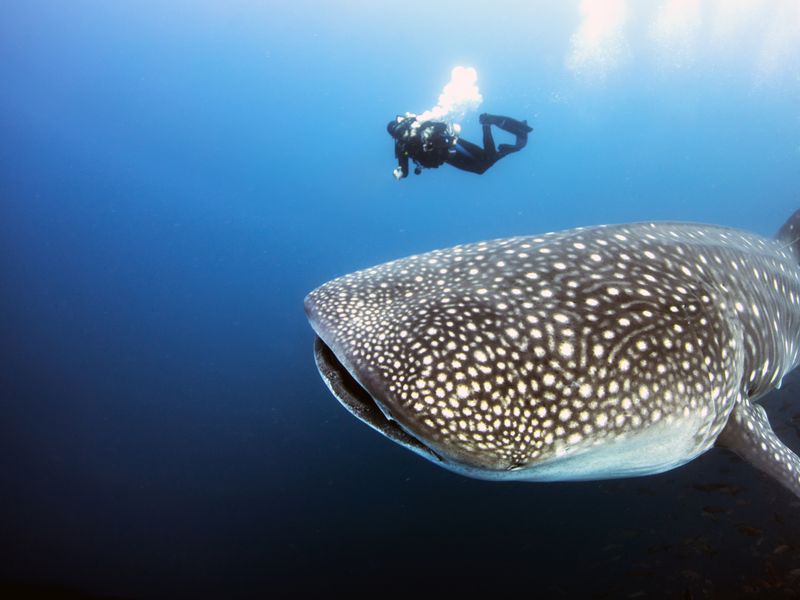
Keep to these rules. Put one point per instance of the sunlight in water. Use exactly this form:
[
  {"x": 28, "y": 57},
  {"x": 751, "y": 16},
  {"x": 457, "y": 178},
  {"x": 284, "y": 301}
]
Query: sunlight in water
[{"x": 759, "y": 37}]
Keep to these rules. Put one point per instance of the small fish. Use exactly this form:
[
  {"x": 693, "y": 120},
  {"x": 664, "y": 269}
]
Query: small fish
[
  {"x": 700, "y": 545},
  {"x": 592, "y": 353},
  {"x": 749, "y": 531},
  {"x": 714, "y": 510},
  {"x": 722, "y": 488}
]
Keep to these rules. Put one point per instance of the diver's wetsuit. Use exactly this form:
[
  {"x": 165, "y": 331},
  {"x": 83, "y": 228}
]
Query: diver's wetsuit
[
  {"x": 428, "y": 143},
  {"x": 432, "y": 143}
]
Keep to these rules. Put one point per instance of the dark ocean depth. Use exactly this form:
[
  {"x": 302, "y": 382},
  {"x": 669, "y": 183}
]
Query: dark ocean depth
[{"x": 176, "y": 176}]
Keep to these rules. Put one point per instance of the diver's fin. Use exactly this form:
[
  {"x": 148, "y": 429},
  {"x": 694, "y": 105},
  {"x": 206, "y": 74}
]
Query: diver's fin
[
  {"x": 504, "y": 149},
  {"x": 506, "y": 124},
  {"x": 524, "y": 127},
  {"x": 749, "y": 434}
]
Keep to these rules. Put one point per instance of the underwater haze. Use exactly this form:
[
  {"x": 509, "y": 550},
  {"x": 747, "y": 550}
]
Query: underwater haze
[{"x": 176, "y": 176}]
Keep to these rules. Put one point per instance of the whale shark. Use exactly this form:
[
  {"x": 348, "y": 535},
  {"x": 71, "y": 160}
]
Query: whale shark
[{"x": 592, "y": 353}]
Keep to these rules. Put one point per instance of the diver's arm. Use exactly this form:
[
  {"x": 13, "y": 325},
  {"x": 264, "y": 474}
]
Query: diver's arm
[{"x": 401, "y": 172}]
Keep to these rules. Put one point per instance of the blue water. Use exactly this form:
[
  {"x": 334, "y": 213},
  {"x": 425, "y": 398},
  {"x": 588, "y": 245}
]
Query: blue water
[{"x": 175, "y": 177}]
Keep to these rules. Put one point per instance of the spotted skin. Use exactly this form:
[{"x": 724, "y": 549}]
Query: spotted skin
[
  {"x": 592, "y": 353},
  {"x": 750, "y": 435}
]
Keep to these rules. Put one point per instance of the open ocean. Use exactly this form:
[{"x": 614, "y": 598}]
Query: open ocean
[{"x": 176, "y": 176}]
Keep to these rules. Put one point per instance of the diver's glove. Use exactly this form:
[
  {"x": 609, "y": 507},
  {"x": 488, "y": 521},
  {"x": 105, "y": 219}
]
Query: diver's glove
[{"x": 398, "y": 173}]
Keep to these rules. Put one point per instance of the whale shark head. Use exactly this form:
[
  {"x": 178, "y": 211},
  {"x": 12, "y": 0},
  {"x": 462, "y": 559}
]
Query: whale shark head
[{"x": 597, "y": 352}]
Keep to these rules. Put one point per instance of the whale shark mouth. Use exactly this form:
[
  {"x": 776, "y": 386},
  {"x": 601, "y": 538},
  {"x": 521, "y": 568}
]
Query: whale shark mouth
[{"x": 360, "y": 402}]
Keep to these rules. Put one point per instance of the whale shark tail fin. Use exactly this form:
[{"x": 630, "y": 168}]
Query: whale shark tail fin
[{"x": 789, "y": 234}]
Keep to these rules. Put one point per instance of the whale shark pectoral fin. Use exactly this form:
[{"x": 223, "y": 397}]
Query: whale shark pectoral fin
[{"x": 749, "y": 434}]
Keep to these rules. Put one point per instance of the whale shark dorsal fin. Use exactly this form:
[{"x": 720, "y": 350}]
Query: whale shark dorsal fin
[
  {"x": 789, "y": 234},
  {"x": 749, "y": 434}
]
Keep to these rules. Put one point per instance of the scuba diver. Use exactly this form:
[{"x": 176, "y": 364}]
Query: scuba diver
[{"x": 430, "y": 144}]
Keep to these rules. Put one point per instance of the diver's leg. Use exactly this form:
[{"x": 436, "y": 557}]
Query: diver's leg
[
  {"x": 470, "y": 157},
  {"x": 488, "y": 141}
]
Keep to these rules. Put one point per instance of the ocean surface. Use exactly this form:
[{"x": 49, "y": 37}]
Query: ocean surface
[{"x": 176, "y": 176}]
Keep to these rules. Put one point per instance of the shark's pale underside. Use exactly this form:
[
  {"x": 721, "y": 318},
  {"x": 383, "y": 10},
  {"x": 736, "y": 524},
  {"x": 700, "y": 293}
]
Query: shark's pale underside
[{"x": 592, "y": 353}]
